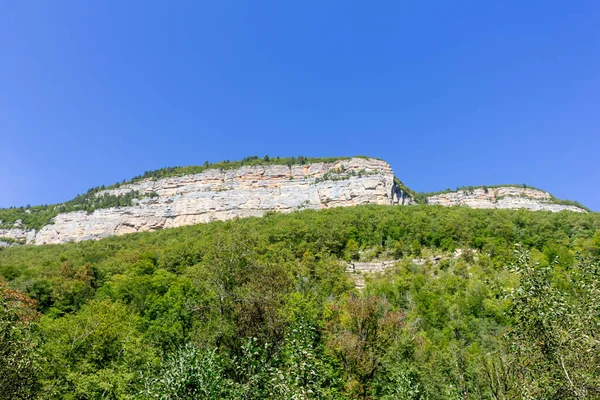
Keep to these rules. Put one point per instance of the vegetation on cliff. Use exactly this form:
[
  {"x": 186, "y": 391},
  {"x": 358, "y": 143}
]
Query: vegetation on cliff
[
  {"x": 262, "y": 308},
  {"x": 421, "y": 197},
  {"x": 228, "y": 165},
  {"x": 35, "y": 217},
  {"x": 38, "y": 216}
]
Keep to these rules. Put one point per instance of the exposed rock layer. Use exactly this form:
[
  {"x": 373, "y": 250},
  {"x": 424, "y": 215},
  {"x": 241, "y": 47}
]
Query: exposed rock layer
[
  {"x": 360, "y": 270},
  {"x": 502, "y": 197},
  {"x": 220, "y": 195},
  {"x": 252, "y": 191}
]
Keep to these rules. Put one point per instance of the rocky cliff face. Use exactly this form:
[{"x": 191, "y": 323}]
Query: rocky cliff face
[
  {"x": 252, "y": 191},
  {"x": 220, "y": 195},
  {"x": 16, "y": 235},
  {"x": 502, "y": 197}
]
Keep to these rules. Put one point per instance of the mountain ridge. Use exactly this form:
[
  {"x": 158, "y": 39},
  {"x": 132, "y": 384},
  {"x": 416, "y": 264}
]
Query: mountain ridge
[{"x": 178, "y": 196}]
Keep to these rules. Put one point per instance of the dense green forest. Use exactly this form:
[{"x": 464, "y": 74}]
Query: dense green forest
[{"x": 263, "y": 308}]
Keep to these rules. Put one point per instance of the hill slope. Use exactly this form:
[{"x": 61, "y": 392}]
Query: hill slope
[{"x": 262, "y": 308}]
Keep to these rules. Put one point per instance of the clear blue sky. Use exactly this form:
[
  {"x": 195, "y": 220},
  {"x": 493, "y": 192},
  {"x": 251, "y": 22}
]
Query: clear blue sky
[{"x": 450, "y": 93}]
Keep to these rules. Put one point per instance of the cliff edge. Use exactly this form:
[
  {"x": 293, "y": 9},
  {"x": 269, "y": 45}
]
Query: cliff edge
[
  {"x": 230, "y": 190},
  {"x": 507, "y": 197},
  {"x": 217, "y": 194}
]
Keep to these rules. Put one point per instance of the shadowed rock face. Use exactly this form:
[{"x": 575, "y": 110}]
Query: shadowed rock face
[
  {"x": 221, "y": 195},
  {"x": 502, "y": 197}
]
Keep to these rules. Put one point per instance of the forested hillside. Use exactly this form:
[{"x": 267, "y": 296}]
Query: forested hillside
[{"x": 263, "y": 308}]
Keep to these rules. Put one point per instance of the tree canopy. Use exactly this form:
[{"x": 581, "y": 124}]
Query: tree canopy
[{"x": 261, "y": 308}]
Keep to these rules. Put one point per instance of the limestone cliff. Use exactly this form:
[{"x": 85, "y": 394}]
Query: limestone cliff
[
  {"x": 502, "y": 197},
  {"x": 218, "y": 194},
  {"x": 223, "y": 194}
]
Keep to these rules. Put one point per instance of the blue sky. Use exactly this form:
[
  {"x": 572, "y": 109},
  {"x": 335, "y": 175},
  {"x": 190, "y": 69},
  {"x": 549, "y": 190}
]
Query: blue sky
[{"x": 449, "y": 93}]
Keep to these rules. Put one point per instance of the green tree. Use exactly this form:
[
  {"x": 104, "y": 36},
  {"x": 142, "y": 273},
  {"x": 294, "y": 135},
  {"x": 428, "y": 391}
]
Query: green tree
[
  {"x": 554, "y": 337},
  {"x": 18, "y": 346},
  {"x": 358, "y": 330},
  {"x": 304, "y": 371},
  {"x": 189, "y": 374},
  {"x": 415, "y": 247},
  {"x": 351, "y": 251},
  {"x": 94, "y": 354}
]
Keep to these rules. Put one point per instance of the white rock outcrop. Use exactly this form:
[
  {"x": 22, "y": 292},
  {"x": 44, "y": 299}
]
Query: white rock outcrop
[
  {"x": 225, "y": 194},
  {"x": 502, "y": 197},
  {"x": 252, "y": 191},
  {"x": 18, "y": 235},
  {"x": 360, "y": 270}
]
